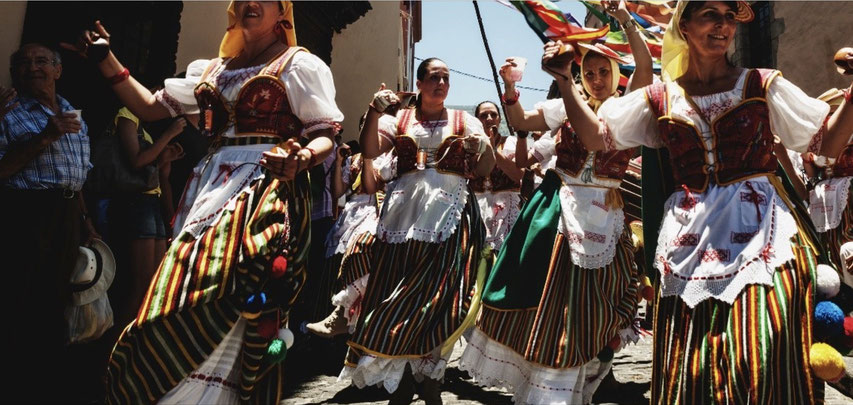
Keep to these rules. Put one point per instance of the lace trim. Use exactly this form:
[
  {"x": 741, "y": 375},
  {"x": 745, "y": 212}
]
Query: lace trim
[
  {"x": 172, "y": 105},
  {"x": 499, "y": 212},
  {"x": 825, "y": 211},
  {"x": 357, "y": 217},
  {"x": 757, "y": 267},
  {"x": 387, "y": 372},
  {"x": 350, "y": 298},
  {"x": 494, "y": 365}
]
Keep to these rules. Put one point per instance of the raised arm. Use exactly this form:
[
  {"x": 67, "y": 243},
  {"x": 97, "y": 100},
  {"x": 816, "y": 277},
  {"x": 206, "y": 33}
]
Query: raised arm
[
  {"x": 95, "y": 46},
  {"x": 583, "y": 120},
  {"x": 517, "y": 117},
  {"x": 839, "y": 127},
  {"x": 372, "y": 145},
  {"x": 643, "y": 73}
]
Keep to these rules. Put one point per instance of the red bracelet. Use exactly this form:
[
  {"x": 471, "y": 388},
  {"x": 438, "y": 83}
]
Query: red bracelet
[
  {"x": 511, "y": 101},
  {"x": 313, "y": 157},
  {"x": 847, "y": 95},
  {"x": 119, "y": 77}
]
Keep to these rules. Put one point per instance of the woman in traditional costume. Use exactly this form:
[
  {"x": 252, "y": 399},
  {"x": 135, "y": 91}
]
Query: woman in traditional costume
[
  {"x": 733, "y": 321},
  {"x": 428, "y": 256},
  {"x": 209, "y": 330},
  {"x": 563, "y": 293},
  {"x": 499, "y": 193}
]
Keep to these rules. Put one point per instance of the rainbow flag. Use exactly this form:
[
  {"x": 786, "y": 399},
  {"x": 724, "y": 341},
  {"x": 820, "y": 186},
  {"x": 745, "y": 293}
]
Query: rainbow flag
[{"x": 551, "y": 24}]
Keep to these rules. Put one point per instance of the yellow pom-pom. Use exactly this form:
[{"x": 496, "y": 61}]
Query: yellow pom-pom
[{"x": 826, "y": 362}]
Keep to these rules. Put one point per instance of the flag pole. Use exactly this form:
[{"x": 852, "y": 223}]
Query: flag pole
[{"x": 492, "y": 63}]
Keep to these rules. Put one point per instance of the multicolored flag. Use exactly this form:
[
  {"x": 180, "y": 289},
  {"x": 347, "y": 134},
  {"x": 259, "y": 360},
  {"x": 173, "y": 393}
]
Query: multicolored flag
[{"x": 551, "y": 24}]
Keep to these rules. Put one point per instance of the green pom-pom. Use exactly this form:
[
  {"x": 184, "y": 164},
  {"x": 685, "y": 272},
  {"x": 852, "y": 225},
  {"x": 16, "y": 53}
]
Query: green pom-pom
[
  {"x": 276, "y": 351},
  {"x": 605, "y": 354}
]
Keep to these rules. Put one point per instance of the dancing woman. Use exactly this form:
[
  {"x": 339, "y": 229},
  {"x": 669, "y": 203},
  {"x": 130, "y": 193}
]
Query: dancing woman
[
  {"x": 209, "y": 330},
  {"x": 423, "y": 288},
  {"x": 733, "y": 323}
]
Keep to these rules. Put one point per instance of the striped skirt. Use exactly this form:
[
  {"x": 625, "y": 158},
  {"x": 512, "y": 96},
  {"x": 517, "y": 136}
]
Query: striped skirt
[
  {"x": 197, "y": 296},
  {"x": 754, "y": 351},
  {"x": 419, "y": 298},
  {"x": 544, "y": 319}
]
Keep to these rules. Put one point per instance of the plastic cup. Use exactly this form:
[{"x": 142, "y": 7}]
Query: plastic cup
[
  {"x": 518, "y": 70},
  {"x": 78, "y": 113}
]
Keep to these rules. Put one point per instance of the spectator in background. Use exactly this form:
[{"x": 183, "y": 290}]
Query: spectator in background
[
  {"x": 44, "y": 160},
  {"x": 137, "y": 218}
]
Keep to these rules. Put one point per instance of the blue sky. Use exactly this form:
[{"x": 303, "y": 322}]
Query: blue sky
[{"x": 450, "y": 32}]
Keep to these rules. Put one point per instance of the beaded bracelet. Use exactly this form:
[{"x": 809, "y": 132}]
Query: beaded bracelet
[
  {"x": 511, "y": 101},
  {"x": 119, "y": 77}
]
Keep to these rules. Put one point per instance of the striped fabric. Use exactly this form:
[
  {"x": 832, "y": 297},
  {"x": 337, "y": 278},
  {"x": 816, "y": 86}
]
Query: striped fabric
[
  {"x": 754, "y": 351},
  {"x": 197, "y": 294},
  {"x": 356, "y": 261},
  {"x": 841, "y": 234},
  {"x": 419, "y": 293},
  {"x": 579, "y": 310}
]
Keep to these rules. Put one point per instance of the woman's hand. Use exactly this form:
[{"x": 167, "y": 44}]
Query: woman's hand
[
  {"x": 505, "y": 71},
  {"x": 494, "y": 135},
  {"x": 91, "y": 45},
  {"x": 343, "y": 153},
  {"x": 555, "y": 62},
  {"x": 176, "y": 127},
  {"x": 617, "y": 9},
  {"x": 474, "y": 144},
  {"x": 383, "y": 98},
  {"x": 285, "y": 161},
  {"x": 171, "y": 153}
]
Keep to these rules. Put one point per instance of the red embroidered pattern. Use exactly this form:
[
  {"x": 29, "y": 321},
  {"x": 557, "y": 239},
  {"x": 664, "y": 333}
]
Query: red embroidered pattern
[
  {"x": 717, "y": 108},
  {"x": 715, "y": 255},
  {"x": 600, "y": 204},
  {"x": 688, "y": 239},
  {"x": 604, "y": 131},
  {"x": 211, "y": 380},
  {"x": 595, "y": 237},
  {"x": 752, "y": 198},
  {"x": 817, "y": 139},
  {"x": 742, "y": 237}
]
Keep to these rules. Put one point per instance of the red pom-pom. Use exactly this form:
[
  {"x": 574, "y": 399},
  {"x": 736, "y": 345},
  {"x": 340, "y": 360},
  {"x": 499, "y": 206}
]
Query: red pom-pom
[
  {"x": 648, "y": 293},
  {"x": 279, "y": 266},
  {"x": 848, "y": 331},
  {"x": 267, "y": 328},
  {"x": 615, "y": 343}
]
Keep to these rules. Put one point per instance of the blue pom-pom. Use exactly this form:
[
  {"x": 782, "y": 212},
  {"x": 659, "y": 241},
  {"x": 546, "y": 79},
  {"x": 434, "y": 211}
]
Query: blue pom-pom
[
  {"x": 828, "y": 321},
  {"x": 254, "y": 304}
]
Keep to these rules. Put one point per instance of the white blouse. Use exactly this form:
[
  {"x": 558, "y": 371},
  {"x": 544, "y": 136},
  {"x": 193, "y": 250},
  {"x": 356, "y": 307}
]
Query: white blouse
[
  {"x": 309, "y": 83},
  {"x": 424, "y": 205},
  {"x": 713, "y": 244}
]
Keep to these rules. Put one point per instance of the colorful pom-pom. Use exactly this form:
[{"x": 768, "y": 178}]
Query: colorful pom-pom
[
  {"x": 279, "y": 267},
  {"x": 267, "y": 328},
  {"x": 826, "y": 362},
  {"x": 848, "y": 332},
  {"x": 828, "y": 282},
  {"x": 276, "y": 351},
  {"x": 615, "y": 343},
  {"x": 605, "y": 354},
  {"x": 648, "y": 291},
  {"x": 286, "y": 336},
  {"x": 828, "y": 321},
  {"x": 254, "y": 304}
]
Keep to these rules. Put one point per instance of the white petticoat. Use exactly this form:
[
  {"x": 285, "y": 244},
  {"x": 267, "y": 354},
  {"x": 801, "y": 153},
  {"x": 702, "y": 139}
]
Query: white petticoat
[
  {"x": 591, "y": 228},
  {"x": 214, "y": 183},
  {"x": 387, "y": 372},
  {"x": 358, "y": 216},
  {"x": 499, "y": 211},
  {"x": 696, "y": 263},
  {"x": 828, "y": 201},
  {"x": 494, "y": 365},
  {"x": 423, "y": 205},
  {"x": 350, "y": 299},
  {"x": 217, "y": 379}
]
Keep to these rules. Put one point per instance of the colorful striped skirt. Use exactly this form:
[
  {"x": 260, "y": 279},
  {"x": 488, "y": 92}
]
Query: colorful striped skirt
[
  {"x": 753, "y": 351},
  {"x": 420, "y": 297},
  {"x": 197, "y": 295},
  {"x": 544, "y": 319}
]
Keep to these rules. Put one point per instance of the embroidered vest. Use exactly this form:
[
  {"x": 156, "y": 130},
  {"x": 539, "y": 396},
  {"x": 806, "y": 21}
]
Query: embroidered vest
[
  {"x": 451, "y": 155},
  {"x": 743, "y": 142},
  {"x": 572, "y": 155},
  {"x": 497, "y": 181},
  {"x": 261, "y": 108}
]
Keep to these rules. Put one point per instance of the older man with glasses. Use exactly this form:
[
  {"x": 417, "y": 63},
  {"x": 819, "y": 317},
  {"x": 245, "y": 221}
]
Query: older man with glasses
[{"x": 44, "y": 160}]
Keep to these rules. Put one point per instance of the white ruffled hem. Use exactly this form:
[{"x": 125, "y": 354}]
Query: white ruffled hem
[
  {"x": 754, "y": 263},
  {"x": 827, "y": 203},
  {"x": 387, "y": 372},
  {"x": 350, "y": 298},
  {"x": 358, "y": 216},
  {"x": 494, "y": 365}
]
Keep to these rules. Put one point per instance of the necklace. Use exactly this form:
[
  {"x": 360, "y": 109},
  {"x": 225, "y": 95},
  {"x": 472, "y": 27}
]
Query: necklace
[{"x": 249, "y": 63}]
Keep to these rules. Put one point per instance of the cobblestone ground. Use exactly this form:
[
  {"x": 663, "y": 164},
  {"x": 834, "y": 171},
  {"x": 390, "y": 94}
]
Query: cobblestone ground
[{"x": 632, "y": 369}]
